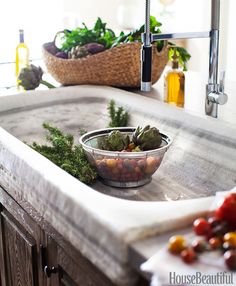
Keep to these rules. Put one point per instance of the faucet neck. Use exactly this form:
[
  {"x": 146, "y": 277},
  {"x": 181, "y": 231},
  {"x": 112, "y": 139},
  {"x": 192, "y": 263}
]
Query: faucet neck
[{"x": 147, "y": 41}]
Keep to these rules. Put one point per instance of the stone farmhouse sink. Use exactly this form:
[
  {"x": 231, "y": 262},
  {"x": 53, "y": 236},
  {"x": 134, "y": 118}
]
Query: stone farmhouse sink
[{"x": 99, "y": 220}]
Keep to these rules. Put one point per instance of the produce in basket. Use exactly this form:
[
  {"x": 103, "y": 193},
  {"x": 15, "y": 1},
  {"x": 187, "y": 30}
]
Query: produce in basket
[
  {"x": 78, "y": 52},
  {"x": 147, "y": 138},
  {"x": 83, "y": 41},
  {"x": 97, "y": 56},
  {"x": 143, "y": 139}
]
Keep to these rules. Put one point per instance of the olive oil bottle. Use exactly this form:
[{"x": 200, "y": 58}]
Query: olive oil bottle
[
  {"x": 174, "y": 84},
  {"x": 22, "y": 54}
]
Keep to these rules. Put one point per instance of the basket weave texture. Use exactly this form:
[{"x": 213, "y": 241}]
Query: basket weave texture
[{"x": 118, "y": 66}]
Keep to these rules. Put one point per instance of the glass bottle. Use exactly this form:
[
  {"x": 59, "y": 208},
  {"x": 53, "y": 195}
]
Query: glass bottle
[
  {"x": 22, "y": 54},
  {"x": 174, "y": 84}
]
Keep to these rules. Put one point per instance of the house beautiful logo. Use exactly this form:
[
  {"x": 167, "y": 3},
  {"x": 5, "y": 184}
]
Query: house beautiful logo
[{"x": 217, "y": 279}]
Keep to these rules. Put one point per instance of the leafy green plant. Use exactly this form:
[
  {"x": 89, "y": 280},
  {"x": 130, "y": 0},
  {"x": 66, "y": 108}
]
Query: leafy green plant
[
  {"x": 65, "y": 154},
  {"x": 81, "y": 36},
  {"x": 118, "y": 116},
  {"x": 182, "y": 54}
]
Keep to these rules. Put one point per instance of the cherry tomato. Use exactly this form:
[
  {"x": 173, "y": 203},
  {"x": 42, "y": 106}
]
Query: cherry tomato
[
  {"x": 131, "y": 146},
  {"x": 227, "y": 246},
  {"x": 220, "y": 229},
  {"x": 142, "y": 164},
  {"x": 111, "y": 163},
  {"x": 128, "y": 164},
  {"x": 226, "y": 211},
  {"x": 230, "y": 237},
  {"x": 213, "y": 221},
  {"x": 151, "y": 161},
  {"x": 115, "y": 171},
  {"x": 230, "y": 259},
  {"x": 215, "y": 243},
  {"x": 188, "y": 255},
  {"x": 137, "y": 170},
  {"x": 133, "y": 162},
  {"x": 176, "y": 244},
  {"x": 199, "y": 245},
  {"x": 201, "y": 226}
]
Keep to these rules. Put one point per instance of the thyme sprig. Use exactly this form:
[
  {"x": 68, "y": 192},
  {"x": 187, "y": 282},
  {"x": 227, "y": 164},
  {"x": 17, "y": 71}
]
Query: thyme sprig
[{"x": 64, "y": 153}]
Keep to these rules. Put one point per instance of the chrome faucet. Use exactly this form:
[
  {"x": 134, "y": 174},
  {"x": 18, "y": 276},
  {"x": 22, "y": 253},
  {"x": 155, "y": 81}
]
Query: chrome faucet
[{"x": 214, "y": 91}]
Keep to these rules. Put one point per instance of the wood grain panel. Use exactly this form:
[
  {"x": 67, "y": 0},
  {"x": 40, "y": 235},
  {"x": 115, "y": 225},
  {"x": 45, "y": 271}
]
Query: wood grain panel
[
  {"x": 19, "y": 253},
  {"x": 2, "y": 261},
  {"x": 65, "y": 280},
  {"x": 81, "y": 271},
  {"x": 25, "y": 217}
]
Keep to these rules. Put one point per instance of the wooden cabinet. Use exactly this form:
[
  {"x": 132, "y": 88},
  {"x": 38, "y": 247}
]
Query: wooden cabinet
[
  {"x": 19, "y": 253},
  {"x": 20, "y": 239},
  {"x": 32, "y": 253}
]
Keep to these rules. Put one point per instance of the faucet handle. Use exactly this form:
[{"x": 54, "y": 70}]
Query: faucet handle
[
  {"x": 216, "y": 93},
  {"x": 222, "y": 82}
]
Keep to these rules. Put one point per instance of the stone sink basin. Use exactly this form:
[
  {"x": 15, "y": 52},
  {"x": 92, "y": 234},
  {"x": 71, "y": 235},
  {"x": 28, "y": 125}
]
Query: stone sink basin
[{"x": 99, "y": 220}]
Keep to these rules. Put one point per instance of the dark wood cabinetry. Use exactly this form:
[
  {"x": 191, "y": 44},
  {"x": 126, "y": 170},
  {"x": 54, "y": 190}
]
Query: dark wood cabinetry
[
  {"x": 32, "y": 253},
  {"x": 20, "y": 239},
  {"x": 19, "y": 253}
]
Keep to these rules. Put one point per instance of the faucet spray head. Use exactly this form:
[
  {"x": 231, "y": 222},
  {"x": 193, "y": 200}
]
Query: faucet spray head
[{"x": 146, "y": 72}]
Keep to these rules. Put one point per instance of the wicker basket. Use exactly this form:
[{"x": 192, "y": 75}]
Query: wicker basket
[{"x": 119, "y": 67}]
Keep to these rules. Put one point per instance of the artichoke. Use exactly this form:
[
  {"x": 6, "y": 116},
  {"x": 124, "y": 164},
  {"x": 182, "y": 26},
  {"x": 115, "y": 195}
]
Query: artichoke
[
  {"x": 78, "y": 52},
  {"x": 147, "y": 138},
  {"x": 102, "y": 143},
  {"x": 31, "y": 77},
  {"x": 115, "y": 141},
  {"x": 118, "y": 141}
]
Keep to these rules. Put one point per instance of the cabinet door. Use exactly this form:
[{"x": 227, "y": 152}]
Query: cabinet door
[
  {"x": 19, "y": 254},
  {"x": 72, "y": 268}
]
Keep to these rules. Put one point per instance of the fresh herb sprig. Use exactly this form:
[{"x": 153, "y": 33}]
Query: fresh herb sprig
[
  {"x": 64, "y": 153},
  {"x": 182, "y": 54},
  {"x": 82, "y": 36},
  {"x": 118, "y": 116}
]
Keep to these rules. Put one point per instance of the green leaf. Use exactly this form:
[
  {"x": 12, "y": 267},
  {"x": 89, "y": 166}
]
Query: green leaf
[
  {"x": 99, "y": 26},
  {"x": 182, "y": 53},
  {"x": 154, "y": 25}
]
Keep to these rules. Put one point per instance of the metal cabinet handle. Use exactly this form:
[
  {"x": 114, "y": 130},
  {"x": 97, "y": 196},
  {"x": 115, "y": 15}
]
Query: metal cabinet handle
[{"x": 48, "y": 271}]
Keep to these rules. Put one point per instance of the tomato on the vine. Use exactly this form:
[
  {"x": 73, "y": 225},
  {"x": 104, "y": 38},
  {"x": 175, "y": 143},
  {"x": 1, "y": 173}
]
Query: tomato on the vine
[{"x": 227, "y": 210}]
